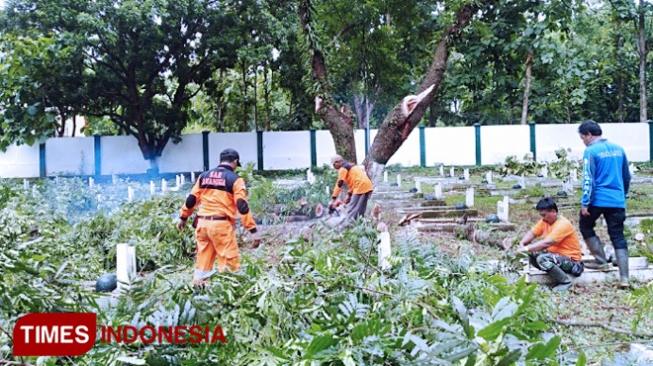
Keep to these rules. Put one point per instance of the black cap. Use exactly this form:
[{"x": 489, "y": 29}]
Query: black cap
[{"x": 229, "y": 155}]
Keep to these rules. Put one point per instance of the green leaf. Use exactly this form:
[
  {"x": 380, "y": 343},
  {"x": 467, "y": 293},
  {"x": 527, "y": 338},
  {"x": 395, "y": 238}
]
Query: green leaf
[
  {"x": 510, "y": 358},
  {"x": 544, "y": 351},
  {"x": 319, "y": 344},
  {"x": 582, "y": 359},
  {"x": 493, "y": 330}
]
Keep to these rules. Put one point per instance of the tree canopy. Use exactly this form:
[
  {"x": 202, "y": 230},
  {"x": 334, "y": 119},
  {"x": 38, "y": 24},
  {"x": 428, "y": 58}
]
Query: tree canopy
[{"x": 157, "y": 68}]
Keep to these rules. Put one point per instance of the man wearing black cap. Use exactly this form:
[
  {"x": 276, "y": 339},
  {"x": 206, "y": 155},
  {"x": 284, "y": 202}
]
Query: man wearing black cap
[{"x": 221, "y": 195}]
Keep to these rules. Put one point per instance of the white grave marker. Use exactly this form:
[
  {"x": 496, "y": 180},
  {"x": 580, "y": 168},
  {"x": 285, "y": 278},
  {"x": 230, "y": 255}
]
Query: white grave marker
[
  {"x": 488, "y": 177},
  {"x": 573, "y": 176},
  {"x": 469, "y": 197},
  {"x": 438, "y": 191},
  {"x": 503, "y": 208},
  {"x": 384, "y": 251},
  {"x": 125, "y": 265}
]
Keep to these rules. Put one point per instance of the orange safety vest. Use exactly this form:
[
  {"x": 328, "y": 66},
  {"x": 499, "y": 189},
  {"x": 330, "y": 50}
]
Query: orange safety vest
[{"x": 220, "y": 192}]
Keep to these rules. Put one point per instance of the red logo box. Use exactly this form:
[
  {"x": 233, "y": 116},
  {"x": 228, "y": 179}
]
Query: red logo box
[{"x": 54, "y": 334}]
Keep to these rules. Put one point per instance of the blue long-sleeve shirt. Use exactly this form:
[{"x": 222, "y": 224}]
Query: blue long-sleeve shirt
[{"x": 606, "y": 178}]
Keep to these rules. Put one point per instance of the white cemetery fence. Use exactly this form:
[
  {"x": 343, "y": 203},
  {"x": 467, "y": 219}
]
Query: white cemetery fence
[{"x": 432, "y": 147}]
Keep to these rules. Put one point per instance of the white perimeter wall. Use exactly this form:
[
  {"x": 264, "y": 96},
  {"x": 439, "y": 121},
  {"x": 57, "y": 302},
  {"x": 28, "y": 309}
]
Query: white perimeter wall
[
  {"x": 497, "y": 142},
  {"x": 185, "y": 156},
  {"x": 292, "y": 149},
  {"x": 450, "y": 146},
  {"x": 243, "y": 142},
  {"x": 70, "y": 156},
  {"x": 633, "y": 137},
  {"x": 20, "y": 161},
  {"x": 286, "y": 150},
  {"x": 121, "y": 155},
  {"x": 549, "y": 138}
]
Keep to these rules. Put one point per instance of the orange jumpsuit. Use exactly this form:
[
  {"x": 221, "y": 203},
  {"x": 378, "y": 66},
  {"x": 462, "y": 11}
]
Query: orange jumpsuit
[{"x": 221, "y": 195}]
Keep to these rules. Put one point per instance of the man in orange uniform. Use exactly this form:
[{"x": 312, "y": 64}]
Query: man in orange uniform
[
  {"x": 358, "y": 184},
  {"x": 558, "y": 251},
  {"x": 221, "y": 195}
]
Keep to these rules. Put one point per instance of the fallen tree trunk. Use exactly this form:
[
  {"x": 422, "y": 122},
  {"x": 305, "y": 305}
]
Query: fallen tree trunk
[{"x": 399, "y": 123}]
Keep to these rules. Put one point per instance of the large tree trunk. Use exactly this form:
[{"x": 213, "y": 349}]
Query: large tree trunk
[
  {"x": 406, "y": 115},
  {"x": 61, "y": 129},
  {"x": 245, "y": 106},
  {"x": 255, "y": 98},
  {"x": 527, "y": 88},
  {"x": 364, "y": 108},
  {"x": 619, "y": 40},
  {"x": 339, "y": 119},
  {"x": 266, "y": 89},
  {"x": 358, "y": 108},
  {"x": 641, "y": 42}
]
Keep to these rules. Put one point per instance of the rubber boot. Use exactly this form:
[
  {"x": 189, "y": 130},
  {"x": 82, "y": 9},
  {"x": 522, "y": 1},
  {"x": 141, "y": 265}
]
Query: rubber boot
[
  {"x": 622, "y": 262},
  {"x": 563, "y": 282},
  {"x": 596, "y": 248}
]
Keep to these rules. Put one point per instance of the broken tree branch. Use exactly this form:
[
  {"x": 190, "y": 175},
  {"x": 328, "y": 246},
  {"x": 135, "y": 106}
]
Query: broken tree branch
[{"x": 610, "y": 328}]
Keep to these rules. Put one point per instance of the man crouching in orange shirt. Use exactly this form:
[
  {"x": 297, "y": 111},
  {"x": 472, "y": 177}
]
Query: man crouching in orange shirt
[
  {"x": 221, "y": 195},
  {"x": 558, "y": 250}
]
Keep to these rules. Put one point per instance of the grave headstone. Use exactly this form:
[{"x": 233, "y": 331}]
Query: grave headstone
[
  {"x": 384, "y": 251},
  {"x": 438, "y": 191},
  {"x": 488, "y": 177},
  {"x": 125, "y": 265},
  {"x": 469, "y": 197}
]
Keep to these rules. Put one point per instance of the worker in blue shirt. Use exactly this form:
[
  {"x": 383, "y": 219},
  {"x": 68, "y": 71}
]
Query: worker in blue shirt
[{"x": 606, "y": 180}]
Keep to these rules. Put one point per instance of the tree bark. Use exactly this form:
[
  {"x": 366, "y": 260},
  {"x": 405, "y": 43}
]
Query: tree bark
[
  {"x": 62, "y": 127},
  {"x": 339, "y": 119},
  {"x": 266, "y": 90},
  {"x": 641, "y": 42},
  {"x": 244, "y": 92},
  {"x": 358, "y": 108},
  {"x": 406, "y": 115},
  {"x": 74, "y": 123},
  {"x": 527, "y": 88},
  {"x": 256, "y": 98},
  {"x": 620, "y": 76}
]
